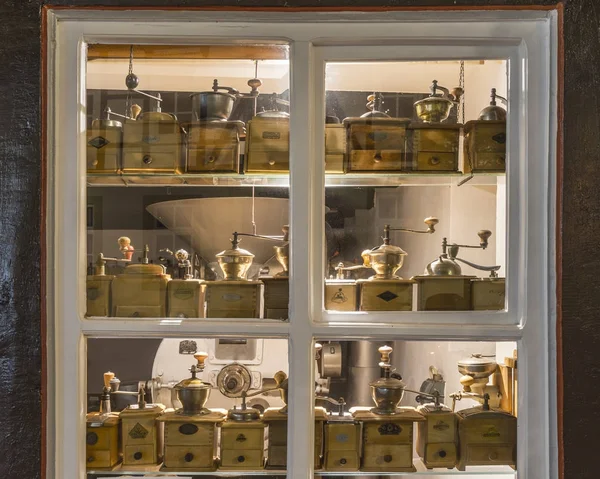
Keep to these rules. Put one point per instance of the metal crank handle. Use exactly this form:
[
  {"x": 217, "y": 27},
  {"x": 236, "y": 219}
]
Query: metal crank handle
[
  {"x": 493, "y": 269},
  {"x": 430, "y": 221}
]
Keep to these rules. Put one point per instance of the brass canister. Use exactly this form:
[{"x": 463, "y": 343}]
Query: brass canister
[
  {"x": 488, "y": 294},
  {"x": 153, "y": 144},
  {"x": 437, "y": 440},
  {"x": 375, "y": 144},
  {"x": 104, "y": 142},
  {"x": 214, "y": 146},
  {"x": 433, "y": 147},
  {"x": 142, "y": 435},
  {"x": 485, "y": 146},
  {"x": 268, "y": 143},
  {"x": 341, "y": 295}
]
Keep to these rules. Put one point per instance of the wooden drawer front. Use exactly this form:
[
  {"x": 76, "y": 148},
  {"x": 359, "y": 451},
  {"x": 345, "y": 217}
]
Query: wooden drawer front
[
  {"x": 261, "y": 161},
  {"x": 104, "y": 150},
  {"x": 139, "y": 311},
  {"x": 441, "y": 429},
  {"x": 224, "y": 160},
  {"x": 242, "y": 438},
  {"x": 142, "y": 454},
  {"x": 487, "y": 162},
  {"x": 343, "y": 436},
  {"x": 98, "y": 458},
  {"x": 388, "y": 433},
  {"x": 335, "y": 139},
  {"x": 185, "y": 299},
  {"x": 387, "y": 296},
  {"x": 490, "y": 138},
  {"x": 190, "y": 457},
  {"x": 271, "y": 135},
  {"x": 440, "y": 454},
  {"x": 277, "y": 293},
  {"x": 196, "y": 434},
  {"x": 278, "y": 433},
  {"x": 232, "y": 302},
  {"x": 101, "y": 438},
  {"x": 376, "y": 160},
  {"x": 444, "y": 295},
  {"x": 379, "y": 137},
  {"x": 492, "y": 431},
  {"x": 277, "y": 456},
  {"x": 152, "y": 160},
  {"x": 151, "y": 134},
  {"x": 242, "y": 458},
  {"x": 488, "y": 295},
  {"x": 277, "y": 313},
  {"x": 341, "y": 297},
  {"x": 342, "y": 460},
  {"x": 98, "y": 298},
  {"x": 442, "y": 140},
  {"x": 493, "y": 454},
  {"x": 334, "y": 163},
  {"x": 382, "y": 457},
  {"x": 201, "y": 137},
  {"x": 138, "y": 432},
  {"x": 437, "y": 161}
]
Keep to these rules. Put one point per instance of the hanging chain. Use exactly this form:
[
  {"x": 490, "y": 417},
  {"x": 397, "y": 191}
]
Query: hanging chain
[
  {"x": 461, "y": 84},
  {"x": 128, "y": 99}
]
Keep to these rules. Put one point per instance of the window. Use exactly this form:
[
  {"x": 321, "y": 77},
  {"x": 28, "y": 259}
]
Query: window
[{"x": 156, "y": 182}]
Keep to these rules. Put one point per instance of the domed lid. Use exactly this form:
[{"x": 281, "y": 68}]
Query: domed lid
[
  {"x": 228, "y": 91},
  {"x": 493, "y": 111},
  {"x": 273, "y": 114},
  {"x": 443, "y": 266},
  {"x": 243, "y": 414},
  {"x": 106, "y": 121},
  {"x": 195, "y": 382},
  {"x": 235, "y": 250},
  {"x": 477, "y": 360},
  {"x": 374, "y": 104}
]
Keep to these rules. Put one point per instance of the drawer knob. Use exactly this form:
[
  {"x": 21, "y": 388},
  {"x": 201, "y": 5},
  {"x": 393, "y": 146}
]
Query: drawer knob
[
  {"x": 377, "y": 157},
  {"x": 211, "y": 159},
  {"x": 241, "y": 458},
  {"x": 343, "y": 460},
  {"x": 387, "y": 458},
  {"x": 147, "y": 159},
  {"x": 90, "y": 459},
  {"x": 493, "y": 456},
  {"x": 271, "y": 162},
  {"x": 182, "y": 315},
  {"x": 434, "y": 160},
  {"x": 189, "y": 457},
  {"x": 442, "y": 453},
  {"x": 240, "y": 438},
  {"x": 91, "y": 438},
  {"x": 137, "y": 456}
]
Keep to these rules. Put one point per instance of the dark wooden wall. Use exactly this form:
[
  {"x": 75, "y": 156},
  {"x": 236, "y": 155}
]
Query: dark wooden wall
[{"x": 21, "y": 206}]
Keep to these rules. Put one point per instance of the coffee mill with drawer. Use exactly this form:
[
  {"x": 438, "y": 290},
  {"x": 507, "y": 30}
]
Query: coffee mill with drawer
[
  {"x": 432, "y": 145},
  {"x": 443, "y": 287},
  {"x": 234, "y": 296},
  {"x": 185, "y": 294},
  {"x": 384, "y": 291}
]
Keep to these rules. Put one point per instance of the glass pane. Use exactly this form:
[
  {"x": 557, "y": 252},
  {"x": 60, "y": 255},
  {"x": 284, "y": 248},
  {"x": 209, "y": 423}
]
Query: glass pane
[
  {"x": 187, "y": 146},
  {"x": 415, "y": 186},
  {"x": 426, "y": 407},
  {"x": 177, "y": 405}
]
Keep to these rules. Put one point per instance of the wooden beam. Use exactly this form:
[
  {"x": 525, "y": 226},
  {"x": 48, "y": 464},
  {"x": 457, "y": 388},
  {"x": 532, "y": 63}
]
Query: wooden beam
[{"x": 192, "y": 52}]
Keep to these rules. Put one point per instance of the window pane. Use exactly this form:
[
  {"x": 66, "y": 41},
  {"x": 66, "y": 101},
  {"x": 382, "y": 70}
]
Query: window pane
[
  {"x": 187, "y": 146},
  {"x": 417, "y": 146}
]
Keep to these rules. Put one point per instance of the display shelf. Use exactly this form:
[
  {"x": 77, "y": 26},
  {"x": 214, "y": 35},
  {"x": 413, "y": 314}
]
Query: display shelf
[{"x": 350, "y": 179}]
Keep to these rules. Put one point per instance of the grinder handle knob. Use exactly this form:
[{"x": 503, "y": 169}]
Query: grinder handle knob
[
  {"x": 201, "y": 357},
  {"x": 279, "y": 377},
  {"x": 107, "y": 377},
  {"x": 385, "y": 352},
  {"x": 484, "y": 236},
  {"x": 466, "y": 381}
]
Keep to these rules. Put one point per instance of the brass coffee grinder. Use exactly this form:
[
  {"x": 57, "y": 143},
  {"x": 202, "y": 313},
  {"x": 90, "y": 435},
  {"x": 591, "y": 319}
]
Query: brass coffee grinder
[
  {"x": 375, "y": 142},
  {"x": 433, "y": 146},
  {"x": 234, "y": 296},
  {"x": 141, "y": 290},
  {"x": 383, "y": 291},
  {"x": 387, "y": 439},
  {"x": 190, "y": 432},
  {"x": 243, "y": 433},
  {"x": 102, "y": 432},
  {"x": 342, "y": 433},
  {"x": 276, "y": 294},
  {"x": 104, "y": 142},
  {"x": 185, "y": 294},
  {"x": 141, "y": 434},
  {"x": 443, "y": 287},
  {"x": 485, "y": 139}
]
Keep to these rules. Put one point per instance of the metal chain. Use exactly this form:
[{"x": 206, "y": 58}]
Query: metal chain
[
  {"x": 461, "y": 84},
  {"x": 128, "y": 99}
]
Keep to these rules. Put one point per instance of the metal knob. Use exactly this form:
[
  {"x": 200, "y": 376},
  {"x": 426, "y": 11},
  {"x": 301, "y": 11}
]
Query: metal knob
[
  {"x": 201, "y": 357},
  {"x": 137, "y": 456},
  {"x": 442, "y": 453},
  {"x": 271, "y": 162},
  {"x": 211, "y": 159},
  {"x": 189, "y": 457},
  {"x": 387, "y": 458},
  {"x": 434, "y": 160},
  {"x": 493, "y": 456},
  {"x": 91, "y": 438},
  {"x": 90, "y": 459},
  {"x": 377, "y": 157},
  {"x": 484, "y": 235},
  {"x": 241, "y": 458},
  {"x": 147, "y": 159},
  {"x": 343, "y": 461}
]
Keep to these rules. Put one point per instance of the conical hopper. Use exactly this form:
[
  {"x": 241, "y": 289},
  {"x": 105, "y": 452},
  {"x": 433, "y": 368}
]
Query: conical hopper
[{"x": 207, "y": 223}]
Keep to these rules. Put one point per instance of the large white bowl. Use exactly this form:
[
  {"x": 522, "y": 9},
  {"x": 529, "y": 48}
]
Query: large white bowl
[{"x": 208, "y": 223}]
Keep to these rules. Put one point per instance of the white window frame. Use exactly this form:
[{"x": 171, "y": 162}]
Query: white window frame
[{"x": 527, "y": 38}]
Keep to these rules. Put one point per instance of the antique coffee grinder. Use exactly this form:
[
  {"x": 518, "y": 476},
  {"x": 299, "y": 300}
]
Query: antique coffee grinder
[
  {"x": 190, "y": 432},
  {"x": 185, "y": 294},
  {"x": 141, "y": 290},
  {"x": 268, "y": 140},
  {"x": 375, "y": 142},
  {"x": 104, "y": 141},
  {"x": 485, "y": 139},
  {"x": 387, "y": 440},
  {"x": 213, "y": 140},
  {"x": 102, "y": 432},
  {"x": 433, "y": 146},
  {"x": 383, "y": 291},
  {"x": 141, "y": 434},
  {"x": 443, "y": 287},
  {"x": 276, "y": 287},
  {"x": 341, "y": 438},
  {"x": 234, "y": 296},
  {"x": 243, "y": 433},
  {"x": 437, "y": 435}
]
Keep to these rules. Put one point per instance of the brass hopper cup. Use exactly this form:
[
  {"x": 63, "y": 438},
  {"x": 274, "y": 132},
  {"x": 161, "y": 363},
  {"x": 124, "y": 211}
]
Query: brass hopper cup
[
  {"x": 436, "y": 107},
  {"x": 282, "y": 252},
  {"x": 192, "y": 392},
  {"x": 235, "y": 262}
]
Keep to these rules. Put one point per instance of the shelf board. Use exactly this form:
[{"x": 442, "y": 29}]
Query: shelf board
[{"x": 283, "y": 180}]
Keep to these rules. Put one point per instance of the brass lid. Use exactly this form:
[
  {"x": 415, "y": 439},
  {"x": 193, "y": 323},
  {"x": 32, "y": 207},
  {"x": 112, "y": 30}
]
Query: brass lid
[
  {"x": 273, "y": 114},
  {"x": 493, "y": 111},
  {"x": 477, "y": 360},
  {"x": 141, "y": 268},
  {"x": 195, "y": 382},
  {"x": 156, "y": 116},
  {"x": 235, "y": 251},
  {"x": 443, "y": 266},
  {"x": 243, "y": 414},
  {"x": 104, "y": 123},
  {"x": 385, "y": 249}
]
